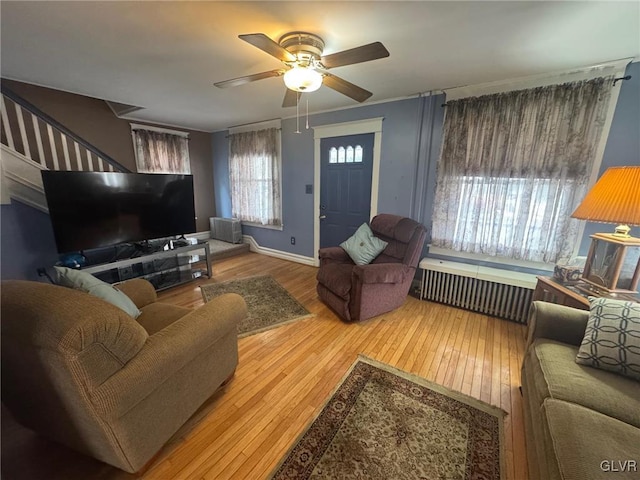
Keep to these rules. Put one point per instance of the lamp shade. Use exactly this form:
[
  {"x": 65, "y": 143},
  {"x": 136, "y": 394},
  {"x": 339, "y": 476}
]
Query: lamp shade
[
  {"x": 615, "y": 198},
  {"x": 303, "y": 79}
]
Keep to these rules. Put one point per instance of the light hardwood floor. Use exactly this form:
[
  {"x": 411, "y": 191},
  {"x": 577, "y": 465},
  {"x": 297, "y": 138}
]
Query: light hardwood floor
[{"x": 285, "y": 375}]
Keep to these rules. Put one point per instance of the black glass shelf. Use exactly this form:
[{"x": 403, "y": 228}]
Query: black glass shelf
[{"x": 163, "y": 268}]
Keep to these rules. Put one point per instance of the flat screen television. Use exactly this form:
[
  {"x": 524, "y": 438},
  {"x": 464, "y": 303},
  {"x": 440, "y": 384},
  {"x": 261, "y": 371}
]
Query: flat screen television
[{"x": 97, "y": 209}]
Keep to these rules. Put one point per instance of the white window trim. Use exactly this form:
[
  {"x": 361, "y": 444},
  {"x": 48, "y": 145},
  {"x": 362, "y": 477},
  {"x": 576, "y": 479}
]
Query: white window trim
[
  {"x": 259, "y": 225},
  {"x": 251, "y": 127},
  {"x": 279, "y": 148},
  {"x": 616, "y": 68},
  {"x": 370, "y": 125},
  {"x": 445, "y": 252}
]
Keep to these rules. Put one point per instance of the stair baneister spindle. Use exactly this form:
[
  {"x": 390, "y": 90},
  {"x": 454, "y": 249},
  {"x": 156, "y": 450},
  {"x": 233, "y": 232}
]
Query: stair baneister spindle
[{"x": 57, "y": 154}]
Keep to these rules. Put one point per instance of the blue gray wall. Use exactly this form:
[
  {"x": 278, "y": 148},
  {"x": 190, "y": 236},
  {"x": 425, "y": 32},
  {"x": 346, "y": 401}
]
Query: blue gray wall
[
  {"x": 27, "y": 242},
  {"x": 411, "y": 138},
  {"x": 623, "y": 143},
  {"x": 411, "y": 133},
  {"x": 222, "y": 194}
]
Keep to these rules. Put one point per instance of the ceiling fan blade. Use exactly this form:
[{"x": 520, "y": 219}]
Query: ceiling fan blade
[
  {"x": 346, "y": 88},
  {"x": 365, "y": 53},
  {"x": 264, "y": 43},
  {"x": 290, "y": 98},
  {"x": 234, "y": 82}
]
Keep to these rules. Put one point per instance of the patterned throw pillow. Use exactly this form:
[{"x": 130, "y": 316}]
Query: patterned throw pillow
[
  {"x": 363, "y": 246},
  {"x": 612, "y": 338}
]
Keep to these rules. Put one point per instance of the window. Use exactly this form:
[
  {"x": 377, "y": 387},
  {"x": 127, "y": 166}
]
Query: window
[
  {"x": 359, "y": 154},
  {"x": 160, "y": 151},
  {"x": 514, "y": 166},
  {"x": 333, "y": 155},
  {"x": 345, "y": 155},
  {"x": 349, "y": 154},
  {"x": 254, "y": 173}
]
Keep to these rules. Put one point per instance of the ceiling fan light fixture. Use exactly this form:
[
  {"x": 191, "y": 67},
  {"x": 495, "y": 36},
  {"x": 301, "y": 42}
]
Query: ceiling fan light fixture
[{"x": 303, "y": 79}]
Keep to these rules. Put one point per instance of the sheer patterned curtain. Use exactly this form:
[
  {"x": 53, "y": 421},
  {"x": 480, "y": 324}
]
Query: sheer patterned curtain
[
  {"x": 254, "y": 172},
  {"x": 514, "y": 166},
  {"x": 159, "y": 152}
]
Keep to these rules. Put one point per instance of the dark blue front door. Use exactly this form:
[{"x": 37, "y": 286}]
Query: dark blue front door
[{"x": 345, "y": 186}]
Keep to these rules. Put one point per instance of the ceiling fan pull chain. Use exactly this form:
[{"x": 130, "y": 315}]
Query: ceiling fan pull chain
[{"x": 298, "y": 113}]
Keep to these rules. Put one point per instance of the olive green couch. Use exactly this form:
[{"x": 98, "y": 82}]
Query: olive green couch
[
  {"x": 84, "y": 373},
  {"x": 580, "y": 422}
]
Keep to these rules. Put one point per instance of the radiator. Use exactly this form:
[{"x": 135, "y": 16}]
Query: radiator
[
  {"x": 491, "y": 291},
  {"x": 226, "y": 229}
]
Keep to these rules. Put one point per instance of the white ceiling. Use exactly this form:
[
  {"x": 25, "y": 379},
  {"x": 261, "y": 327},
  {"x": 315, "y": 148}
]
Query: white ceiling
[{"x": 165, "y": 56}]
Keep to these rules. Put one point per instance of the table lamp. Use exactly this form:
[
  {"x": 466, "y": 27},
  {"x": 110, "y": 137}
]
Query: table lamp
[{"x": 613, "y": 262}]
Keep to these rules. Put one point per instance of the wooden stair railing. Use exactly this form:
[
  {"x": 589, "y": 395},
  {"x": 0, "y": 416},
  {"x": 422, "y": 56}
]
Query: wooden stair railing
[{"x": 40, "y": 138}]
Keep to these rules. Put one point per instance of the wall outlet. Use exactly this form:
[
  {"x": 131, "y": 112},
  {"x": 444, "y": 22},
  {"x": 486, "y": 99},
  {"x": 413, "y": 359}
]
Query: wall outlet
[
  {"x": 293, "y": 240},
  {"x": 308, "y": 189}
]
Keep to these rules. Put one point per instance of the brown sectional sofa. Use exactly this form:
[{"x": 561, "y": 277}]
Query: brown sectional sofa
[{"x": 580, "y": 422}]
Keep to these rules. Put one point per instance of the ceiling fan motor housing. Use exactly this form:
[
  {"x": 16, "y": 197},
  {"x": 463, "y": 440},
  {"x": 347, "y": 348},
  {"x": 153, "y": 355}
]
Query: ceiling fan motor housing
[
  {"x": 306, "y": 46},
  {"x": 301, "y": 53}
]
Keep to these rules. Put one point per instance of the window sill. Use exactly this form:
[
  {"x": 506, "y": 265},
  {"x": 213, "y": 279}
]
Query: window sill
[
  {"x": 507, "y": 263},
  {"x": 259, "y": 225}
]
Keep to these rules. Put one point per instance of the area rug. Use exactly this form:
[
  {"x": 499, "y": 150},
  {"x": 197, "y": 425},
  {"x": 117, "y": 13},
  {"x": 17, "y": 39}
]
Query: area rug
[
  {"x": 269, "y": 305},
  {"x": 382, "y": 423}
]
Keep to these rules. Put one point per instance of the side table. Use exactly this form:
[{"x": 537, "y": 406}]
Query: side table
[{"x": 553, "y": 291}]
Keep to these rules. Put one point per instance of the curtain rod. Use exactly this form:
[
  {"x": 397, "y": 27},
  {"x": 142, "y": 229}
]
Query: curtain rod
[
  {"x": 152, "y": 128},
  {"x": 626, "y": 77},
  {"x": 227, "y": 136}
]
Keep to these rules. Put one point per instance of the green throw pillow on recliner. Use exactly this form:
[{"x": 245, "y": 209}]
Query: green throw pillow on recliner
[
  {"x": 612, "y": 337},
  {"x": 363, "y": 246},
  {"x": 68, "y": 277}
]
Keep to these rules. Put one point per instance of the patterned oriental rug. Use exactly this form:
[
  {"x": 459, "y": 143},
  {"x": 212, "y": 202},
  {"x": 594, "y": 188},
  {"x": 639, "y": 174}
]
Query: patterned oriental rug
[
  {"x": 382, "y": 423},
  {"x": 269, "y": 305}
]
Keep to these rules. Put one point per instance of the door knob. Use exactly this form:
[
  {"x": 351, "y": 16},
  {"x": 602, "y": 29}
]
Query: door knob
[{"x": 322, "y": 217}]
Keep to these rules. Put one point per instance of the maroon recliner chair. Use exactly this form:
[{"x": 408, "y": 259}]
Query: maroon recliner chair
[{"x": 357, "y": 292}]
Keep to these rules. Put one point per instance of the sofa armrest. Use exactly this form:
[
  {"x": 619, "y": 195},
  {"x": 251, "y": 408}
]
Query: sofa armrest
[
  {"x": 383, "y": 272},
  {"x": 556, "y": 322},
  {"x": 166, "y": 352},
  {"x": 333, "y": 255},
  {"x": 139, "y": 290}
]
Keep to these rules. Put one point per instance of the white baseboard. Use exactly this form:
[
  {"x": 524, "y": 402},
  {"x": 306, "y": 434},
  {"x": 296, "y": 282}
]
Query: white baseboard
[
  {"x": 292, "y": 257},
  {"x": 255, "y": 247}
]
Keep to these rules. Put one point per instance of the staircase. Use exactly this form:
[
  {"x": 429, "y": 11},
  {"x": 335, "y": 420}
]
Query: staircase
[{"x": 32, "y": 141}]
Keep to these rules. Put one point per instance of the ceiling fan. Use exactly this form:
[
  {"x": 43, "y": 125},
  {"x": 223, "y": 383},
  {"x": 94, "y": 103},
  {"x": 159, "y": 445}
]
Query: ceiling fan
[{"x": 305, "y": 66}]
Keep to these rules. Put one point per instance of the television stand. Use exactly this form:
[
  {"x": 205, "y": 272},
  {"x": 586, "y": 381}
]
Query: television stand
[{"x": 164, "y": 269}]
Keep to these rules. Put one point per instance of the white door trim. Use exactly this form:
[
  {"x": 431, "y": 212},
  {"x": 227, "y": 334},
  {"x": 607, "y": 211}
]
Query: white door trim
[{"x": 370, "y": 125}]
